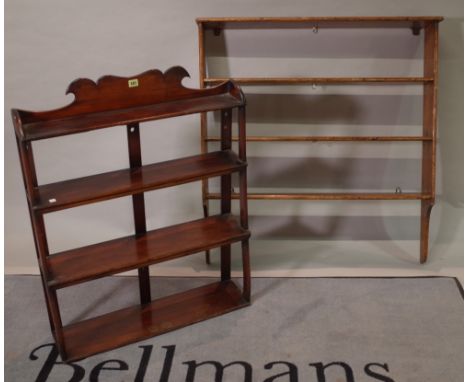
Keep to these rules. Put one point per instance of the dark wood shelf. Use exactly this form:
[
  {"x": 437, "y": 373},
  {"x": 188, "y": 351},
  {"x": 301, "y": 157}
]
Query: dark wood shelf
[
  {"x": 119, "y": 255},
  {"x": 136, "y": 323},
  {"x": 330, "y": 196},
  {"x": 75, "y": 192},
  {"x": 93, "y": 121},
  {"x": 335, "y": 138},
  {"x": 114, "y": 101},
  {"x": 319, "y": 80}
]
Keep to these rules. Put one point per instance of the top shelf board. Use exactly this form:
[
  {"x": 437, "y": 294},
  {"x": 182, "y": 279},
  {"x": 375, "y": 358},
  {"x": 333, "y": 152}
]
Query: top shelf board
[
  {"x": 93, "y": 121},
  {"x": 114, "y": 101},
  {"x": 311, "y": 22}
]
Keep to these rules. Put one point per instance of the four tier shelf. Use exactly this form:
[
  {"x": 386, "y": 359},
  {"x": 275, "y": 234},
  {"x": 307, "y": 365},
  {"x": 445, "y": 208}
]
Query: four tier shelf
[
  {"x": 428, "y": 80},
  {"x": 114, "y": 101}
]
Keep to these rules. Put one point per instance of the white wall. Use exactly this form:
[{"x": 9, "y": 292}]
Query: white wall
[{"x": 50, "y": 43}]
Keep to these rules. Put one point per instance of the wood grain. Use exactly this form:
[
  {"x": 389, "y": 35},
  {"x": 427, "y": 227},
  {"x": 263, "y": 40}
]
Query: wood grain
[
  {"x": 114, "y": 184},
  {"x": 87, "y": 122},
  {"x": 138, "y": 204},
  {"x": 203, "y": 122},
  {"x": 431, "y": 67},
  {"x": 136, "y": 323},
  {"x": 119, "y": 255},
  {"x": 225, "y": 205}
]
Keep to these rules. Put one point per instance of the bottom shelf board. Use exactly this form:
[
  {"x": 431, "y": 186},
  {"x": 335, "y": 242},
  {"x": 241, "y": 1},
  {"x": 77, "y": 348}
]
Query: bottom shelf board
[{"x": 125, "y": 326}]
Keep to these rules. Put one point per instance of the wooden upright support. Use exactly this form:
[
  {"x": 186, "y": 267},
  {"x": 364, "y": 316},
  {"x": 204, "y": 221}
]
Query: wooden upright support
[
  {"x": 28, "y": 169},
  {"x": 226, "y": 136},
  {"x": 203, "y": 125},
  {"x": 138, "y": 200},
  {"x": 243, "y": 205},
  {"x": 431, "y": 66}
]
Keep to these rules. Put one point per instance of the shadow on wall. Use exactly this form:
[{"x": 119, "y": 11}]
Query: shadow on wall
[
  {"x": 340, "y": 174},
  {"x": 334, "y": 227},
  {"x": 339, "y": 43},
  {"x": 346, "y": 173},
  {"x": 388, "y": 112}
]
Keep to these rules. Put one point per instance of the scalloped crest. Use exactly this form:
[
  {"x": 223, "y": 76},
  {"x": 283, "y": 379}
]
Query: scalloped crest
[
  {"x": 151, "y": 85},
  {"x": 113, "y": 92},
  {"x": 116, "y": 100}
]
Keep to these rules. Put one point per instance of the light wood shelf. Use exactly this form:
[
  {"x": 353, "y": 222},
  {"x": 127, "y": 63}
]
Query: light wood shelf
[
  {"x": 316, "y": 138},
  {"x": 319, "y": 80},
  {"x": 329, "y": 196},
  {"x": 428, "y": 80}
]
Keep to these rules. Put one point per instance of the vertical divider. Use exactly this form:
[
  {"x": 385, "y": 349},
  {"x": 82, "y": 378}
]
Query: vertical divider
[
  {"x": 203, "y": 124},
  {"x": 139, "y": 216},
  {"x": 226, "y": 181},
  {"x": 429, "y": 130},
  {"x": 243, "y": 203}
]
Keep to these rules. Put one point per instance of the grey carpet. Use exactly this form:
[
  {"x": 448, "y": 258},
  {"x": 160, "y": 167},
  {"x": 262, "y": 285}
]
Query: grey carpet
[{"x": 402, "y": 329}]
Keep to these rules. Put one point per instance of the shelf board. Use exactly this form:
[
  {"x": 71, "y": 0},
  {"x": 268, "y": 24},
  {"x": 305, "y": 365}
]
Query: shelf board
[
  {"x": 310, "y": 22},
  {"x": 329, "y": 196},
  {"x": 75, "y": 192},
  {"x": 317, "y": 80},
  {"x": 123, "y": 254},
  {"x": 327, "y": 139},
  {"x": 92, "y": 121},
  {"x": 136, "y": 323}
]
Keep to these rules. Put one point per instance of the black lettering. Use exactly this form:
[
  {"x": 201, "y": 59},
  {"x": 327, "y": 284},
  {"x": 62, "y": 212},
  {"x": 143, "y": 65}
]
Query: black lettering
[
  {"x": 292, "y": 371},
  {"x": 94, "y": 376},
  {"x": 320, "y": 368},
  {"x": 78, "y": 371},
  {"x": 166, "y": 370},
  {"x": 376, "y": 375},
  {"x": 145, "y": 357},
  {"x": 192, "y": 367}
]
